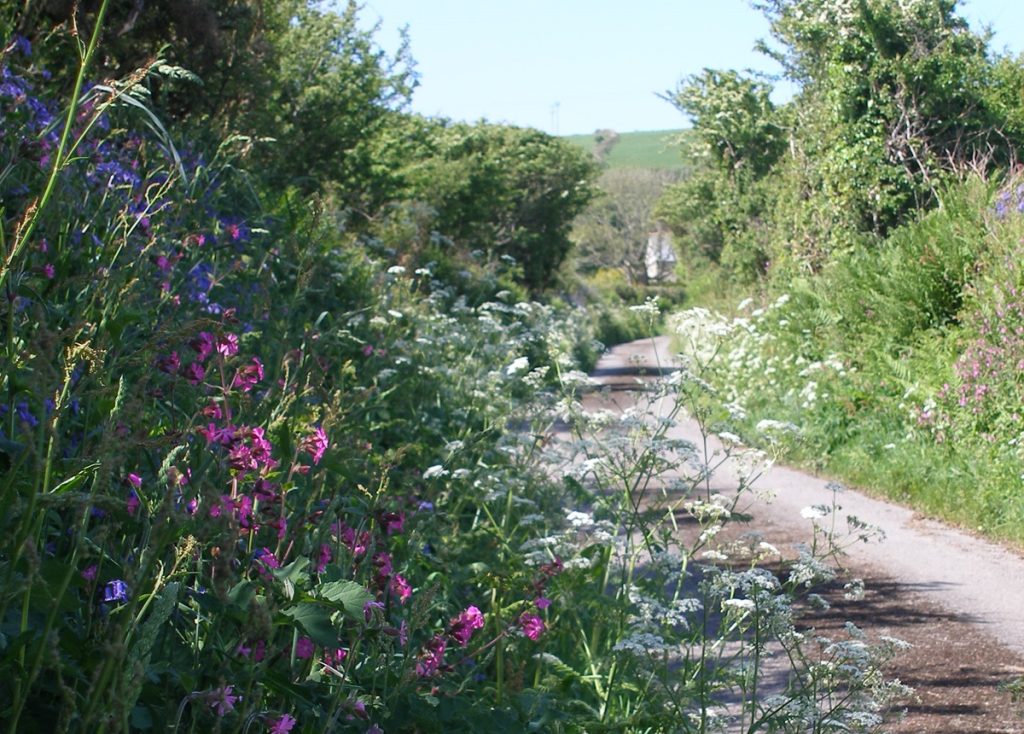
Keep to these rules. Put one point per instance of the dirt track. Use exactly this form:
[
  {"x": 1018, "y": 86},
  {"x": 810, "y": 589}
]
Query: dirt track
[{"x": 958, "y": 599}]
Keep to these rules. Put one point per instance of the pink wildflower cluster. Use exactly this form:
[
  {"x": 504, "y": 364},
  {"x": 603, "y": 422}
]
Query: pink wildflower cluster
[
  {"x": 315, "y": 444},
  {"x": 431, "y": 658},
  {"x": 462, "y": 627}
]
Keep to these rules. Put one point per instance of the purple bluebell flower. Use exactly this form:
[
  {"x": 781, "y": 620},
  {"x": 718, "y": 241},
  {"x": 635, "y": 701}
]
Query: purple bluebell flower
[{"x": 116, "y": 590}]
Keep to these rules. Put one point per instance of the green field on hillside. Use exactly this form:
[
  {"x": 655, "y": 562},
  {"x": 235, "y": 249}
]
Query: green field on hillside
[{"x": 645, "y": 149}]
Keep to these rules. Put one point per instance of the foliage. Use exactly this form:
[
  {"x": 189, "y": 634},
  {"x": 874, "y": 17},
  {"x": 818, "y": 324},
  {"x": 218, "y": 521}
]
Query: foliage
[
  {"x": 256, "y": 479},
  {"x": 612, "y": 231},
  {"x": 715, "y": 213},
  {"x": 508, "y": 192},
  {"x": 900, "y": 369},
  {"x": 895, "y": 99}
]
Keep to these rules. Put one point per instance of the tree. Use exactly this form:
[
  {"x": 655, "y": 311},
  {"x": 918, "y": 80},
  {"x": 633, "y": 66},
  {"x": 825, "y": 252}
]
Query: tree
[
  {"x": 717, "y": 213},
  {"x": 612, "y": 232},
  {"x": 503, "y": 190},
  {"x": 893, "y": 93}
]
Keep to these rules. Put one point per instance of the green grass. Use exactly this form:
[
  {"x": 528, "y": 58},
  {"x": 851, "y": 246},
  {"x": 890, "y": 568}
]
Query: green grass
[{"x": 644, "y": 149}]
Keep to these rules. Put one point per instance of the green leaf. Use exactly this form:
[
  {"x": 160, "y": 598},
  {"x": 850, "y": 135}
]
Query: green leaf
[
  {"x": 292, "y": 575},
  {"x": 351, "y": 595},
  {"x": 73, "y": 481},
  {"x": 242, "y": 593},
  {"x": 316, "y": 620}
]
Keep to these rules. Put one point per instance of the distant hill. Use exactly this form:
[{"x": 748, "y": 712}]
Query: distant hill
[{"x": 645, "y": 149}]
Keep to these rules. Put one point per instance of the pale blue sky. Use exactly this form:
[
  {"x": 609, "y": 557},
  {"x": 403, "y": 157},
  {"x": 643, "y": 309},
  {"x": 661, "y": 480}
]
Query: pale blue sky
[{"x": 572, "y": 66}]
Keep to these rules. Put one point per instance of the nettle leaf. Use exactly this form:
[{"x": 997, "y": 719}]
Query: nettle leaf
[
  {"x": 349, "y": 594},
  {"x": 242, "y": 593},
  {"x": 315, "y": 620},
  {"x": 292, "y": 575}
]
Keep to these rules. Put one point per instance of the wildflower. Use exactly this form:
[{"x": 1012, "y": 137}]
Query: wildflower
[
  {"x": 432, "y": 657},
  {"x": 227, "y": 345},
  {"x": 304, "y": 648},
  {"x": 532, "y": 625},
  {"x": 266, "y": 557},
  {"x": 367, "y": 350},
  {"x": 542, "y": 602},
  {"x": 462, "y": 627},
  {"x": 335, "y": 657},
  {"x": 49, "y": 271},
  {"x": 194, "y": 373},
  {"x": 25, "y": 415},
  {"x": 170, "y": 363},
  {"x": 135, "y": 480},
  {"x": 248, "y": 375},
  {"x": 116, "y": 590},
  {"x": 520, "y": 364},
  {"x": 324, "y": 558},
  {"x": 316, "y": 444},
  {"x": 89, "y": 573},
  {"x": 393, "y": 522},
  {"x": 282, "y": 725},
  {"x": 203, "y": 345},
  {"x": 222, "y": 700},
  {"x": 401, "y": 587},
  {"x": 372, "y": 609},
  {"x": 435, "y": 471},
  {"x": 383, "y": 563},
  {"x": 132, "y": 503}
]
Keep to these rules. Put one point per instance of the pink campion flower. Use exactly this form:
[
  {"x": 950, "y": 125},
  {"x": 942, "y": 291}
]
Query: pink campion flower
[
  {"x": 355, "y": 542},
  {"x": 532, "y": 625},
  {"x": 401, "y": 587},
  {"x": 227, "y": 345},
  {"x": 203, "y": 345},
  {"x": 248, "y": 375},
  {"x": 257, "y": 650},
  {"x": 222, "y": 700},
  {"x": 432, "y": 657},
  {"x": 304, "y": 648},
  {"x": 213, "y": 411},
  {"x": 251, "y": 451},
  {"x": 134, "y": 480},
  {"x": 224, "y": 436},
  {"x": 382, "y": 562},
  {"x": 267, "y": 558},
  {"x": 280, "y": 524},
  {"x": 316, "y": 444},
  {"x": 194, "y": 373},
  {"x": 170, "y": 363},
  {"x": 393, "y": 522},
  {"x": 89, "y": 573},
  {"x": 367, "y": 350},
  {"x": 323, "y": 558},
  {"x": 463, "y": 626},
  {"x": 132, "y": 503},
  {"x": 49, "y": 271},
  {"x": 335, "y": 657},
  {"x": 282, "y": 725},
  {"x": 542, "y": 602}
]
